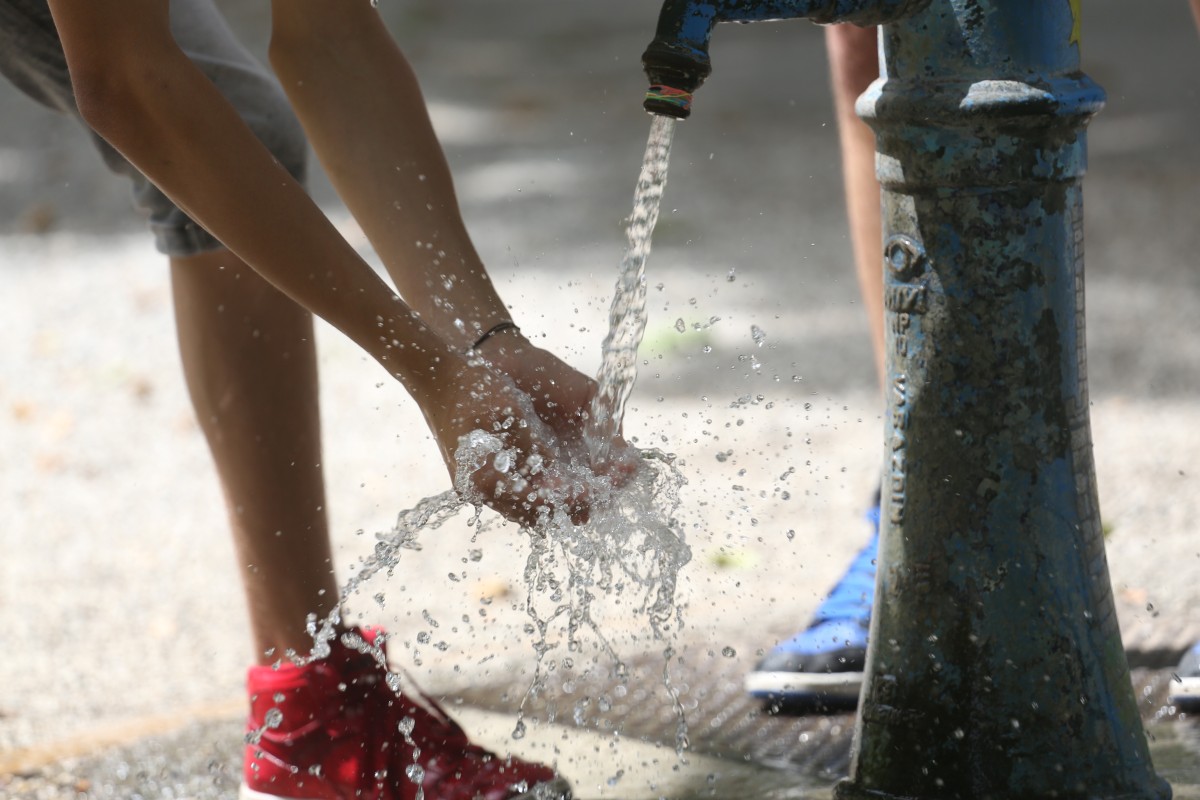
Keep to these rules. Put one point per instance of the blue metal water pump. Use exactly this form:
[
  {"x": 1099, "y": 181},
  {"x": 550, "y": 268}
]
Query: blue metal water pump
[{"x": 995, "y": 667}]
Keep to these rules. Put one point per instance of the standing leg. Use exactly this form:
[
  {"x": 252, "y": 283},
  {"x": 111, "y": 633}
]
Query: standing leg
[
  {"x": 250, "y": 364},
  {"x": 820, "y": 668},
  {"x": 255, "y": 392},
  {"x": 1185, "y": 688},
  {"x": 854, "y": 64}
]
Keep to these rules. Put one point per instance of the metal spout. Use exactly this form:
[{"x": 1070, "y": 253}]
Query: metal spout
[{"x": 677, "y": 61}]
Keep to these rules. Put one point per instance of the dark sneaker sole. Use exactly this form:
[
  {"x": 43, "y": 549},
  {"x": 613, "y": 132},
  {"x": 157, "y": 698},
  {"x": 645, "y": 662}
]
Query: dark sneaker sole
[
  {"x": 799, "y": 705},
  {"x": 1185, "y": 694}
]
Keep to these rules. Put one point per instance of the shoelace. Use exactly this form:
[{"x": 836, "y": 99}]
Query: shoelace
[
  {"x": 368, "y": 719},
  {"x": 460, "y": 769}
]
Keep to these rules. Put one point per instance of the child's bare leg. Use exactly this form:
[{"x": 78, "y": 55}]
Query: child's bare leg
[
  {"x": 854, "y": 63},
  {"x": 250, "y": 365}
]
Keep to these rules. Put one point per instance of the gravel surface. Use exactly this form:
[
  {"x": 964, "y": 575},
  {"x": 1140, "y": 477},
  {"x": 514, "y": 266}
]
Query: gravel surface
[{"x": 118, "y": 596}]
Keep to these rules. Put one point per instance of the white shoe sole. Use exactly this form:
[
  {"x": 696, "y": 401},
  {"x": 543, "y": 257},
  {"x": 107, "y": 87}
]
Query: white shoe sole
[
  {"x": 557, "y": 789},
  {"x": 842, "y": 685}
]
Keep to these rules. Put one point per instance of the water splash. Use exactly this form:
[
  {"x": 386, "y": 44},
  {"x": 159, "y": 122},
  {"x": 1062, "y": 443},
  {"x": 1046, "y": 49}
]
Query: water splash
[{"x": 632, "y": 548}]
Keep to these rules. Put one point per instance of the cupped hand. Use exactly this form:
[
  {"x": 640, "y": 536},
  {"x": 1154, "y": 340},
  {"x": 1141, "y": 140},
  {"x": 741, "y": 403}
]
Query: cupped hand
[
  {"x": 498, "y": 449},
  {"x": 561, "y": 396}
]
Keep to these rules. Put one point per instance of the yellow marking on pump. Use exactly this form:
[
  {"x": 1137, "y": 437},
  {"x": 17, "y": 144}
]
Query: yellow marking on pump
[{"x": 1076, "y": 16}]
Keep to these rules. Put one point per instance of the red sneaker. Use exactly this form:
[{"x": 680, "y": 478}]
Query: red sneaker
[{"x": 335, "y": 730}]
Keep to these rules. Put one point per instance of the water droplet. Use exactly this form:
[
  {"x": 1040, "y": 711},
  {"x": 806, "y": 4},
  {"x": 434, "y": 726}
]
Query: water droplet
[
  {"x": 728, "y": 651},
  {"x": 406, "y": 726},
  {"x": 680, "y": 325},
  {"x": 756, "y": 333},
  {"x": 519, "y": 730}
]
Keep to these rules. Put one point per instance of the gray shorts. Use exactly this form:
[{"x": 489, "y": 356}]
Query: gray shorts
[{"x": 31, "y": 57}]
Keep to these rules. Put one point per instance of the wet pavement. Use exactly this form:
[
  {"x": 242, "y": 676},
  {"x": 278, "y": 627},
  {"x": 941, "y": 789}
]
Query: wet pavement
[{"x": 123, "y": 627}]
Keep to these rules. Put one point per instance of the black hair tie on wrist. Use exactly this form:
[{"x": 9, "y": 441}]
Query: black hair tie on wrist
[{"x": 499, "y": 327}]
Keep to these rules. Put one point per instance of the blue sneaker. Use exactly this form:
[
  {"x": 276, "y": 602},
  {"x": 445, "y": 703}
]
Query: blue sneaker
[
  {"x": 821, "y": 668},
  {"x": 1185, "y": 685}
]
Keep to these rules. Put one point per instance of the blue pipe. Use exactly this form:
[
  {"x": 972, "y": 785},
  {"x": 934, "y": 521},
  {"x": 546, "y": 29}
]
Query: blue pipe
[{"x": 677, "y": 61}]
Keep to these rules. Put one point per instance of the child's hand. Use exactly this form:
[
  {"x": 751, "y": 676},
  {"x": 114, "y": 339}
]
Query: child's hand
[
  {"x": 514, "y": 462},
  {"x": 561, "y": 396}
]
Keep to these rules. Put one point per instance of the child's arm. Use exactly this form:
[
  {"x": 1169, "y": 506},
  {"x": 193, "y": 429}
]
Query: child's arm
[
  {"x": 362, "y": 108},
  {"x": 142, "y": 94}
]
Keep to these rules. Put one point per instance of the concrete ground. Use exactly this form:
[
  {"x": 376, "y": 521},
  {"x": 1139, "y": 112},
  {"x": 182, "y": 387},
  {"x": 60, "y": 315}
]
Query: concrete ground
[{"x": 123, "y": 628}]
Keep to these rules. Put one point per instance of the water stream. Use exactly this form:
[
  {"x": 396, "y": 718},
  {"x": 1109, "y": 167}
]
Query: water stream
[
  {"x": 630, "y": 551},
  {"x": 627, "y": 314}
]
